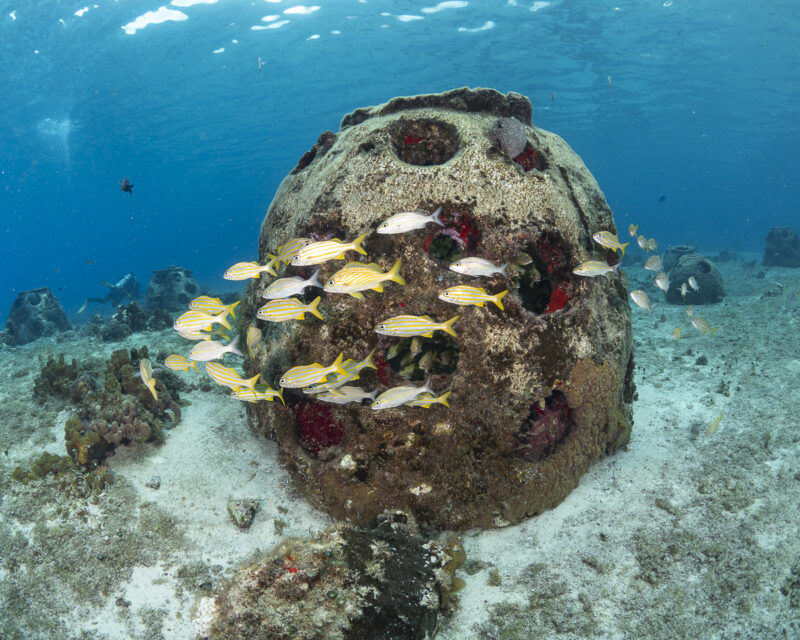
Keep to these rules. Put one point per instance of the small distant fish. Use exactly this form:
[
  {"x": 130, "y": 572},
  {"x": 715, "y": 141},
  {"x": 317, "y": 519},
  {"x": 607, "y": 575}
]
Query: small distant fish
[
  {"x": 346, "y": 394},
  {"x": 408, "y": 326},
  {"x": 287, "y": 287},
  {"x": 285, "y": 309},
  {"x": 652, "y": 245},
  {"x": 633, "y": 229},
  {"x": 227, "y": 377},
  {"x": 426, "y": 400},
  {"x": 247, "y": 270},
  {"x": 260, "y": 65},
  {"x": 199, "y": 321},
  {"x": 654, "y": 263},
  {"x": 416, "y": 345},
  {"x": 690, "y": 310},
  {"x": 394, "y": 350},
  {"x": 356, "y": 277},
  {"x": 594, "y": 268},
  {"x": 306, "y": 375},
  {"x": 126, "y": 186},
  {"x": 608, "y": 80},
  {"x": 477, "y": 267},
  {"x": 213, "y": 306},
  {"x": 642, "y": 242},
  {"x": 465, "y": 295},
  {"x": 289, "y": 250},
  {"x": 409, "y": 221},
  {"x": 684, "y": 290},
  {"x": 213, "y": 350},
  {"x": 427, "y": 361},
  {"x": 713, "y": 426},
  {"x": 641, "y": 299},
  {"x": 677, "y": 332},
  {"x": 662, "y": 281},
  {"x": 609, "y": 241},
  {"x": 400, "y": 395},
  {"x": 701, "y": 324},
  {"x": 146, "y": 373},
  {"x": 254, "y": 337},
  {"x": 259, "y": 393},
  {"x": 523, "y": 259},
  {"x": 662, "y": 198},
  {"x": 179, "y": 363},
  {"x": 693, "y": 283},
  {"x": 91, "y": 262},
  {"x": 324, "y": 250}
]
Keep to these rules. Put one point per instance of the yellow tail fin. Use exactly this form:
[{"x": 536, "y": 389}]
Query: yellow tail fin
[
  {"x": 394, "y": 273},
  {"x": 498, "y": 298},
  {"x": 250, "y": 383},
  {"x": 368, "y": 362},
  {"x": 622, "y": 247},
  {"x": 230, "y": 308},
  {"x": 448, "y": 326},
  {"x": 443, "y": 398},
  {"x": 358, "y": 242},
  {"x": 151, "y": 384},
  {"x": 280, "y": 395},
  {"x": 222, "y": 320},
  {"x": 194, "y": 366},
  {"x": 313, "y": 308},
  {"x": 337, "y": 364}
]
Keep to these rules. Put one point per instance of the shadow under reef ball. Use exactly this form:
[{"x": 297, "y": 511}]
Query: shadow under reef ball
[{"x": 540, "y": 388}]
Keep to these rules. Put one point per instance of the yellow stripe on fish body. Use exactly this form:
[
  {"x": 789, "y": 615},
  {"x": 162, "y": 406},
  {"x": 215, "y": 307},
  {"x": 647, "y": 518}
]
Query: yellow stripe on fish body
[
  {"x": 258, "y": 393},
  {"x": 407, "y": 326},
  {"x": 179, "y": 363},
  {"x": 334, "y": 382},
  {"x": 466, "y": 295},
  {"x": 289, "y": 250},
  {"x": 254, "y": 337},
  {"x": 324, "y": 250},
  {"x": 426, "y": 400},
  {"x": 247, "y": 270},
  {"x": 355, "y": 277},
  {"x": 192, "y": 321},
  {"x": 610, "y": 241},
  {"x": 284, "y": 309},
  {"x": 213, "y": 306},
  {"x": 306, "y": 375},
  {"x": 227, "y": 377}
]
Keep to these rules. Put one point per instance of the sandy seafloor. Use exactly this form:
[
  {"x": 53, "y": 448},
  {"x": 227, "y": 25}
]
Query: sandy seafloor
[{"x": 680, "y": 535}]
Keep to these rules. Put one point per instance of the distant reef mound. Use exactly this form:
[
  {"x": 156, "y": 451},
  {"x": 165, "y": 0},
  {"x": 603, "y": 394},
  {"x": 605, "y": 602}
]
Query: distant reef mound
[
  {"x": 540, "y": 389},
  {"x": 35, "y": 314}
]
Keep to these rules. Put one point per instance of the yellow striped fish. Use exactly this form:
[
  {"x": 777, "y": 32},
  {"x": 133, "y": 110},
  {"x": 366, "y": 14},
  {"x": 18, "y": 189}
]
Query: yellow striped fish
[
  {"x": 146, "y": 372},
  {"x": 352, "y": 368},
  {"x": 212, "y": 306},
  {"x": 247, "y": 270},
  {"x": 289, "y": 250},
  {"x": 407, "y": 326},
  {"x": 179, "y": 363},
  {"x": 308, "y": 374},
  {"x": 258, "y": 393},
  {"x": 192, "y": 321},
  {"x": 355, "y": 277},
  {"x": 701, "y": 324},
  {"x": 610, "y": 241},
  {"x": 254, "y": 337},
  {"x": 227, "y": 377},
  {"x": 319, "y": 252},
  {"x": 426, "y": 400},
  {"x": 285, "y": 309},
  {"x": 465, "y": 295}
]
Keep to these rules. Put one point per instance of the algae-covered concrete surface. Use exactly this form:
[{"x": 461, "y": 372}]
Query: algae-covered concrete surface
[{"x": 680, "y": 534}]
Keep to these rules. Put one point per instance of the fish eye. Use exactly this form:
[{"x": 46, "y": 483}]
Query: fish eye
[
  {"x": 330, "y": 281},
  {"x": 382, "y": 326}
]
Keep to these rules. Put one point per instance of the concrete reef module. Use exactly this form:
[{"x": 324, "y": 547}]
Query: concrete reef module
[{"x": 539, "y": 389}]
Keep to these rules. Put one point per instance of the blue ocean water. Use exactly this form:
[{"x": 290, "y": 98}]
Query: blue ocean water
[{"x": 686, "y": 112}]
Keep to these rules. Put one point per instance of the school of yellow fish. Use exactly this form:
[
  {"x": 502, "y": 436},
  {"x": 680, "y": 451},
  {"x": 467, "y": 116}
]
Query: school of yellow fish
[{"x": 207, "y": 318}]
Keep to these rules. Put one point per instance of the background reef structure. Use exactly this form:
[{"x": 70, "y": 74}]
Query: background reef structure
[{"x": 539, "y": 390}]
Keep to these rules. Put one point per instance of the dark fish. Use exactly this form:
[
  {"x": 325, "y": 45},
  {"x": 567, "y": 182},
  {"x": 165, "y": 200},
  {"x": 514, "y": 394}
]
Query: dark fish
[
  {"x": 126, "y": 186},
  {"x": 662, "y": 198}
]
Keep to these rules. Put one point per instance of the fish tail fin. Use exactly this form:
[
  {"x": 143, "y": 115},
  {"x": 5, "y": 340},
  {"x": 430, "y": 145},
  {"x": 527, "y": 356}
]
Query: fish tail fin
[
  {"x": 448, "y": 326},
  {"x": 358, "y": 242},
  {"x": 373, "y": 395},
  {"x": 151, "y": 384},
  {"x": 270, "y": 266},
  {"x": 622, "y": 247},
  {"x": 313, "y": 281},
  {"x": 498, "y": 298},
  {"x": 222, "y": 320},
  {"x": 711, "y": 332},
  {"x": 394, "y": 272},
  {"x": 436, "y": 217},
  {"x": 194, "y": 366},
  {"x": 250, "y": 383},
  {"x": 280, "y": 395},
  {"x": 233, "y": 347},
  {"x": 313, "y": 307},
  {"x": 443, "y": 398},
  {"x": 427, "y": 386},
  {"x": 616, "y": 267},
  {"x": 504, "y": 269},
  {"x": 231, "y": 307},
  {"x": 83, "y": 306},
  {"x": 337, "y": 364},
  {"x": 369, "y": 362}
]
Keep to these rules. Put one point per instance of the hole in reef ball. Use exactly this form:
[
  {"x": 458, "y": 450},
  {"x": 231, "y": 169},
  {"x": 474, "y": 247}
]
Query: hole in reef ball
[
  {"x": 704, "y": 266},
  {"x": 541, "y": 278},
  {"x": 445, "y": 248},
  {"x": 416, "y": 358},
  {"x": 424, "y": 142},
  {"x": 546, "y": 426}
]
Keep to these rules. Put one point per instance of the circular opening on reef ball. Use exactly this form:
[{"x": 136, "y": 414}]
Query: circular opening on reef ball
[{"x": 424, "y": 142}]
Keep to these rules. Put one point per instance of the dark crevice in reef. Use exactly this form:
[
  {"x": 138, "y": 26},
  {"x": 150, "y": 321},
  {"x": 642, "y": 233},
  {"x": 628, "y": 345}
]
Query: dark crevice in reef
[
  {"x": 548, "y": 423},
  {"x": 543, "y": 282},
  {"x": 416, "y": 358},
  {"x": 424, "y": 142}
]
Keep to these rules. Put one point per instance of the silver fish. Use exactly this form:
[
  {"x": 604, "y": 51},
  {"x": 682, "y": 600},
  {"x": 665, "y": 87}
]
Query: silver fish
[
  {"x": 477, "y": 267},
  {"x": 409, "y": 221}
]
